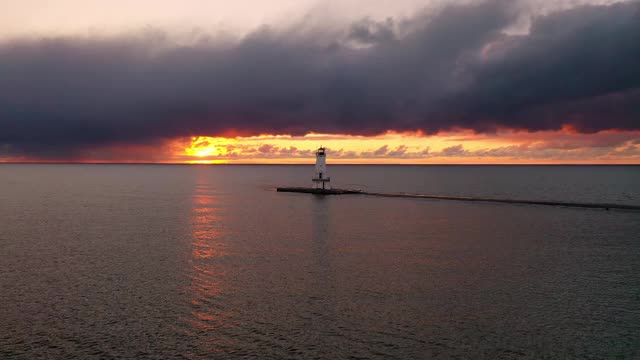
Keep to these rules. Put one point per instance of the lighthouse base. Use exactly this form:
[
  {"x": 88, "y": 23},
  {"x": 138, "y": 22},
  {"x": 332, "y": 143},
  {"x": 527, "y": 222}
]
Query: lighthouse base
[{"x": 321, "y": 183}]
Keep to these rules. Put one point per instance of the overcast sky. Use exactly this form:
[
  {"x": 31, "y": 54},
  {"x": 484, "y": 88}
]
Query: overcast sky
[
  {"x": 76, "y": 74},
  {"x": 80, "y": 16},
  {"x": 37, "y": 17}
]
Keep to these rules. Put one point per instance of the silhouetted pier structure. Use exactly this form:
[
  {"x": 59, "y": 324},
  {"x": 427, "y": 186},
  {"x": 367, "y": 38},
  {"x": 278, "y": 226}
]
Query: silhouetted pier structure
[{"x": 461, "y": 198}]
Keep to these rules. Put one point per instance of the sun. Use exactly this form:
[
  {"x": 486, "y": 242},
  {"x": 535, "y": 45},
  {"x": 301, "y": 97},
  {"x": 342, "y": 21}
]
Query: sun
[
  {"x": 208, "y": 147},
  {"x": 202, "y": 146}
]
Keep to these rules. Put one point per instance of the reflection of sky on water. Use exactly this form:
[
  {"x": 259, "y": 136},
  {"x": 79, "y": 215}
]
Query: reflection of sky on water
[
  {"x": 320, "y": 238},
  {"x": 322, "y": 294}
]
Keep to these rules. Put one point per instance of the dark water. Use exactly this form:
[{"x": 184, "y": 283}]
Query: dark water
[{"x": 118, "y": 261}]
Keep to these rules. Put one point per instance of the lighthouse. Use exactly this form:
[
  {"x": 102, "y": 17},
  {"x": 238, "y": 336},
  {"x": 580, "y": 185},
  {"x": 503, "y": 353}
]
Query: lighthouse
[{"x": 321, "y": 180}]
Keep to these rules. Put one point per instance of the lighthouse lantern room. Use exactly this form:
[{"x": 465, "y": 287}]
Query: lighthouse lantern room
[{"x": 321, "y": 180}]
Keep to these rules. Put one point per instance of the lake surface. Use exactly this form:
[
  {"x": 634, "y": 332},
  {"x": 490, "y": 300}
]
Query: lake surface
[{"x": 151, "y": 261}]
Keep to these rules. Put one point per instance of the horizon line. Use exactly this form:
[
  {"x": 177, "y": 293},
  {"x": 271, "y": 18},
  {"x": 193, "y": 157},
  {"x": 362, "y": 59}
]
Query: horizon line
[{"x": 307, "y": 164}]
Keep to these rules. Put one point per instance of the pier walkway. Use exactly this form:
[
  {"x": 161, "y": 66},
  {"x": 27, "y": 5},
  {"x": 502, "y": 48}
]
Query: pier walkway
[{"x": 462, "y": 198}]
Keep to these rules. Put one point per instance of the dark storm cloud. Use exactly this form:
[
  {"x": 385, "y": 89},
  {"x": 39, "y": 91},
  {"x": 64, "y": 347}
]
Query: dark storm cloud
[
  {"x": 578, "y": 66},
  {"x": 432, "y": 72},
  {"x": 370, "y": 32}
]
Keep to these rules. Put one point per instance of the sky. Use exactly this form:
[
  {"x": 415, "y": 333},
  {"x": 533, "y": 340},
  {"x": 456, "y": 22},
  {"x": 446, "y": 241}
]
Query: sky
[{"x": 406, "y": 82}]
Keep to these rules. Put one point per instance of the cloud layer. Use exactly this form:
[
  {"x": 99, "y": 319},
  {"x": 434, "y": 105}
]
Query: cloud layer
[{"x": 432, "y": 72}]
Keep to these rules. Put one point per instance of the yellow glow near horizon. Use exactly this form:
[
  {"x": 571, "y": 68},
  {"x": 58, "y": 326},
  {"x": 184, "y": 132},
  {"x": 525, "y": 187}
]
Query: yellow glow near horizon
[
  {"x": 206, "y": 162},
  {"x": 275, "y": 146},
  {"x": 205, "y": 146},
  {"x": 455, "y": 147}
]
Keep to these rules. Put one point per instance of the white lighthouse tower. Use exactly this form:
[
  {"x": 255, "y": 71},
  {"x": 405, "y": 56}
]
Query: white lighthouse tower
[{"x": 321, "y": 180}]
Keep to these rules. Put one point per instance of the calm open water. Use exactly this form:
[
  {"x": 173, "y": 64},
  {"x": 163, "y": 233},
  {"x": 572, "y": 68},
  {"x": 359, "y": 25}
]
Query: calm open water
[{"x": 117, "y": 261}]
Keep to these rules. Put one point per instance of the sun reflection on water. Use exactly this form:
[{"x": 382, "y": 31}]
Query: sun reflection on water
[{"x": 208, "y": 286}]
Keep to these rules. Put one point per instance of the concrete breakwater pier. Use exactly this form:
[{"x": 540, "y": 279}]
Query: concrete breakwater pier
[{"x": 317, "y": 191}]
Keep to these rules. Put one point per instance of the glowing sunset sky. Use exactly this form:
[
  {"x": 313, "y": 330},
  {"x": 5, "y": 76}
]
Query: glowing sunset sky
[{"x": 194, "y": 81}]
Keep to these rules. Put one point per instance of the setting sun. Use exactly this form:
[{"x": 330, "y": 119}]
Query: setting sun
[{"x": 205, "y": 146}]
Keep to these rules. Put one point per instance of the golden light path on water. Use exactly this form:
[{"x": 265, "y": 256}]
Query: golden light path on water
[{"x": 208, "y": 250}]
